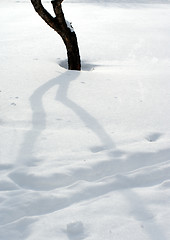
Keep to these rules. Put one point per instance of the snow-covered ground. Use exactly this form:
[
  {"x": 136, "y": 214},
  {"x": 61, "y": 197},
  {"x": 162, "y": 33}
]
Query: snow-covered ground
[{"x": 85, "y": 155}]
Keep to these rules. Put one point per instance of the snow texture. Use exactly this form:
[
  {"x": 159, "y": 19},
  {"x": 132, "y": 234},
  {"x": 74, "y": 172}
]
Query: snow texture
[
  {"x": 70, "y": 26},
  {"x": 85, "y": 155}
]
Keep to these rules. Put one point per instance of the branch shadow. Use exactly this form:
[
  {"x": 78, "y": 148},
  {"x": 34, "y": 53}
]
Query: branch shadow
[{"x": 39, "y": 116}]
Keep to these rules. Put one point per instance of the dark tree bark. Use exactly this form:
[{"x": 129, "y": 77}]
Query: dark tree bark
[{"x": 59, "y": 24}]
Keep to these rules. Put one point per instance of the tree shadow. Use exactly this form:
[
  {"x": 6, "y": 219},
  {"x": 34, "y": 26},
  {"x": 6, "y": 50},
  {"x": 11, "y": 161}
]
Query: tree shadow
[
  {"x": 26, "y": 154},
  {"x": 101, "y": 179}
]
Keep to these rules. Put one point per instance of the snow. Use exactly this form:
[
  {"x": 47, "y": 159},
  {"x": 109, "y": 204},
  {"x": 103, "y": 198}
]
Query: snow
[
  {"x": 85, "y": 155},
  {"x": 69, "y": 26}
]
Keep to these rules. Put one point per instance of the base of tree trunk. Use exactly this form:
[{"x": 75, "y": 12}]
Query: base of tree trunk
[{"x": 74, "y": 62}]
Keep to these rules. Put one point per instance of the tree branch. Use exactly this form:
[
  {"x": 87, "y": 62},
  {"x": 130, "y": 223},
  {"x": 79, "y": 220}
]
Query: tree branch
[
  {"x": 60, "y": 19},
  {"x": 45, "y": 15},
  {"x": 57, "y": 2}
]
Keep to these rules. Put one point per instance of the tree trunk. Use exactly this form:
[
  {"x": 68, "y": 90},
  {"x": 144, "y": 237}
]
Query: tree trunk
[
  {"x": 63, "y": 28},
  {"x": 72, "y": 52}
]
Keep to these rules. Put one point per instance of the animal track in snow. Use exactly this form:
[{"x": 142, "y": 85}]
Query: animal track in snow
[
  {"x": 98, "y": 149},
  {"x": 119, "y": 163},
  {"x": 153, "y": 137},
  {"x": 40, "y": 203},
  {"x": 13, "y": 104},
  {"x": 75, "y": 231}
]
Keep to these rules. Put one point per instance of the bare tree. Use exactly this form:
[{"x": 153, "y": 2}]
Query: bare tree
[{"x": 63, "y": 28}]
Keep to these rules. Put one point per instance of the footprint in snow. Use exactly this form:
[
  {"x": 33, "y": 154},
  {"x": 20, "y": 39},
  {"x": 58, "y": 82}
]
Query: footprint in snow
[
  {"x": 97, "y": 149},
  {"x": 75, "y": 231},
  {"x": 153, "y": 137},
  {"x": 13, "y": 104}
]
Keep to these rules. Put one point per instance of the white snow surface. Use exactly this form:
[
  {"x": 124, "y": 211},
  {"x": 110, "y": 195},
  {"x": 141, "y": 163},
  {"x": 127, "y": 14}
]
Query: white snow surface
[
  {"x": 85, "y": 155},
  {"x": 69, "y": 26}
]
